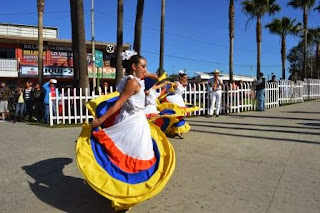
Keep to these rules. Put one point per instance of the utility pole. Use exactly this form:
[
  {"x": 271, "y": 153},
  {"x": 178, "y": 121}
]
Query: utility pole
[{"x": 93, "y": 46}]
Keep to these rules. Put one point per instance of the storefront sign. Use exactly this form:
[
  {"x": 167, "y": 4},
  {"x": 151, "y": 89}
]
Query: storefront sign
[
  {"x": 60, "y": 59},
  {"x": 31, "y": 56},
  {"x": 106, "y": 72},
  {"x": 47, "y": 71},
  {"x": 98, "y": 58},
  {"x": 53, "y": 48}
]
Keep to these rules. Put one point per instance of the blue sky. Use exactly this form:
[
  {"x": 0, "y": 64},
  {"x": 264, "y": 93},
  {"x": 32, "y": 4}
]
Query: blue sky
[{"x": 196, "y": 34}]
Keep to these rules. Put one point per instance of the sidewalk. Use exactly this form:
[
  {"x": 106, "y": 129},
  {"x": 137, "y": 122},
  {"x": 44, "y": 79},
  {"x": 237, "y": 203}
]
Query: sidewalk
[{"x": 249, "y": 162}]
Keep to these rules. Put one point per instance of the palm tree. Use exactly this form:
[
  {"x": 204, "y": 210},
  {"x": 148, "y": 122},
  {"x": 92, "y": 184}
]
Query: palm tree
[
  {"x": 75, "y": 49},
  {"x": 283, "y": 27},
  {"x": 305, "y": 5},
  {"x": 138, "y": 27},
  {"x": 119, "y": 68},
  {"x": 40, "y": 5},
  {"x": 78, "y": 33},
  {"x": 231, "y": 36},
  {"x": 163, "y": 8},
  {"x": 256, "y": 9},
  {"x": 314, "y": 37}
]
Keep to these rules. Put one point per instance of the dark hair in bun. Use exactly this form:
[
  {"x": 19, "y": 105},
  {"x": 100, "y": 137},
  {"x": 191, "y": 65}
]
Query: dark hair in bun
[
  {"x": 181, "y": 75},
  {"x": 128, "y": 63}
]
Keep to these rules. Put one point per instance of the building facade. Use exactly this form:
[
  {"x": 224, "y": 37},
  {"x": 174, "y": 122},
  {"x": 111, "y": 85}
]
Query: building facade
[{"x": 19, "y": 55}]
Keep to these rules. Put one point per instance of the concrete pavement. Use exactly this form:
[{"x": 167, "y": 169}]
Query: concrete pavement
[{"x": 249, "y": 162}]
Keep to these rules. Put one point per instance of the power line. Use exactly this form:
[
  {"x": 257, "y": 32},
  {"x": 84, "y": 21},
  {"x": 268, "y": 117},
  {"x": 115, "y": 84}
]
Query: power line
[
  {"x": 206, "y": 61},
  {"x": 187, "y": 37},
  {"x": 32, "y": 13}
]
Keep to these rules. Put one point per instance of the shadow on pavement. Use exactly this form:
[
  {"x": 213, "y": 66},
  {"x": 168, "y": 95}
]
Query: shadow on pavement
[
  {"x": 311, "y": 124},
  {"x": 258, "y": 137},
  {"x": 273, "y": 117},
  {"x": 304, "y": 112},
  {"x": 254, "y": 129},
  {"x": 66, "y": 193},
  {"x": 212, "y": 121}
]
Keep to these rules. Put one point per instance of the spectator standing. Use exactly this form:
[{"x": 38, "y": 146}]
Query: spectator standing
[
  {"x": 260, "y": 85},
  {"x": 5, "y": 95},
  {"x": 105, "y": 88},
  {"x": 18, "y": 98},
  {"x": 28, "y": 96},
  {"x": 215, "y": 85},
  {"x": 273, "y": 79},
  {"x": 49, "y": 87},
  {"x": 38, "y": 99}
]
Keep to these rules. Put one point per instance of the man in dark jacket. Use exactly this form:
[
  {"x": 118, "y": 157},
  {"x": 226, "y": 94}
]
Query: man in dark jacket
[
  {"x": 38, "y": 97},
  {"x": 260, "y": 88}
]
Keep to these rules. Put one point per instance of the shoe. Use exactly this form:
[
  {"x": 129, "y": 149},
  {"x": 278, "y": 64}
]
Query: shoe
[
  {"x": 2, "y": 121},
  {"x": 217, "y": 116},
  {"x": 180, "y": 136}
]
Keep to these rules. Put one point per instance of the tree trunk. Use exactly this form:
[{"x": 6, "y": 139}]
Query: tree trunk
[
  {"x": 163, "y": 7},
  {"x": 283, "y": 56},
  {"x": 138, "y": 27},
  {"x": 231, "y": 36},
  {"x": 40, "y": 5},
  {"x": 83, "y": 66},
  {"x": 305, "y": 39},
  {"x": 258, "y": 36},
  {"x": 119, "y": 68},
  {"x": 75, "y": 49}
]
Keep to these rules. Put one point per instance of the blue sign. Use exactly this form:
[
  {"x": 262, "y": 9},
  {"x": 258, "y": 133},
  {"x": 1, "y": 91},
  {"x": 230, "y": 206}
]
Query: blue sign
[{"x": 98, "y": 58}]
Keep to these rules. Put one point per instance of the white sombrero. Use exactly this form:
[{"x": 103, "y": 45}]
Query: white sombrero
[{"x": 216, "y": 71}]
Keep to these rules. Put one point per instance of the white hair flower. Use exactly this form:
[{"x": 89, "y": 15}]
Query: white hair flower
[
  {"x": 126, "y": 55},
  {"x": 181, "y": 72}
]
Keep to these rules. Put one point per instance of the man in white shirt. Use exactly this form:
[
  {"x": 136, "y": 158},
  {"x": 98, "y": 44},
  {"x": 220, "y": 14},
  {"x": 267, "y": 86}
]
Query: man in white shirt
[{"x": 215, "y": 88}]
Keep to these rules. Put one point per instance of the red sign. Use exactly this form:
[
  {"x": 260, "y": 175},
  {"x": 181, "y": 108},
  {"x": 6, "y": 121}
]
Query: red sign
[{"x": 60, "y": 58}]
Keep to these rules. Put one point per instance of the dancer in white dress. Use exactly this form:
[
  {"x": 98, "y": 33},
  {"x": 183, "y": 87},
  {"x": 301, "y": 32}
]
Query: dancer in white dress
[
  {"x": 152, "y": 98},
  {"x": 175, "y": 103},
  {"x": 179, "y": 90}
]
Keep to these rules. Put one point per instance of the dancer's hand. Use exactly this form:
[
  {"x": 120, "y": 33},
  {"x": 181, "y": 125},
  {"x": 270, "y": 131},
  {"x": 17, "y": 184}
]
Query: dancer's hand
[{"x": 95, "y": 123}]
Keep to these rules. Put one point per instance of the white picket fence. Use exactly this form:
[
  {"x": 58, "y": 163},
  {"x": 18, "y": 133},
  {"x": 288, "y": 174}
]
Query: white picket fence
[{"x": 70, "y": 107}]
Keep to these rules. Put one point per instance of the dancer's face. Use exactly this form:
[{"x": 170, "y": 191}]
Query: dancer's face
[
  {"x": 184, "y": 80},
  {"x": 140, "y": 68}
]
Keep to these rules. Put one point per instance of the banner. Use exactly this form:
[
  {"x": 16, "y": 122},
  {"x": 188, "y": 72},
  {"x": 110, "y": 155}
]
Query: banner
[{"x": 47, "y": 71}]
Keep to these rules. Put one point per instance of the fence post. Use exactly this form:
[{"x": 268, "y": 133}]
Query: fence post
[
  {"x": 50, "y": 110},
  {"x": 238, "y": 99},
  {"x": 57, "y": 106},
  {"x": 63, "y": 107},
  {"x": 75, "y": 105},
  {"x": 86, "y": 99},
  {"x": 204, "y": 99},
  {"x": 80, "y": 105},
  {"x": 69, "y": 107}
]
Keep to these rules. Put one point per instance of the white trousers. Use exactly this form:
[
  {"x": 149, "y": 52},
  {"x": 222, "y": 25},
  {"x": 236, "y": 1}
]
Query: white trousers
[{"x": 215, "y": 99}]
